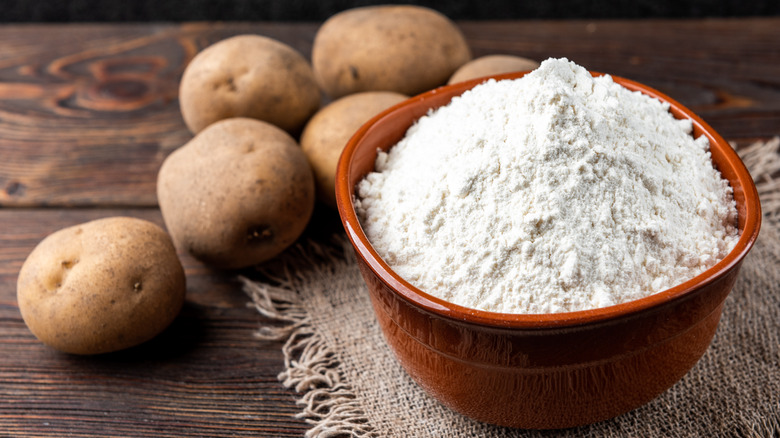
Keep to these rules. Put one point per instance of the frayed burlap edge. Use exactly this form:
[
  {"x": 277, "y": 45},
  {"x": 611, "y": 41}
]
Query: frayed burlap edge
[
  {"x": 312, "y": 367},
  {"x": 763, "y": 161}
]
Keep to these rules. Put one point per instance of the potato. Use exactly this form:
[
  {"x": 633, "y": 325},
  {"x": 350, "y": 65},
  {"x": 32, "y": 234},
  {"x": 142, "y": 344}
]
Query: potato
[
  {"x": 326, "y": 134},
  {"x": 248, "y": 76},
  {"x": 101, "y": 286},
  {"x": 238, "y": 194},
  {"x": 492, "y": 65},
  {"x": 406, "y": 49}
]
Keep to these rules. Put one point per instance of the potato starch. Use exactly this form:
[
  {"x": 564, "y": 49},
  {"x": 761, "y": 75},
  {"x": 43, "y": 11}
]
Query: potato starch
[{"x": 551, "y": 193}]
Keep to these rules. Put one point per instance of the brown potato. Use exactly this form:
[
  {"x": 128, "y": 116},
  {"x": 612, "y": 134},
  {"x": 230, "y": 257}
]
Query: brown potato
[
  {"x": 326, "y": 134},
  {"x": 238, "y": 194},
  {"x": 101, "y": 286},
  {"x": 248, "y": 76},
  {"x": 492, "y": 65},
  {"x": 406, "y": 49}
]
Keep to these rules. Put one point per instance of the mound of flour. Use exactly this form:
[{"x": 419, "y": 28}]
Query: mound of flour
[{"x": 551, "y": 193}]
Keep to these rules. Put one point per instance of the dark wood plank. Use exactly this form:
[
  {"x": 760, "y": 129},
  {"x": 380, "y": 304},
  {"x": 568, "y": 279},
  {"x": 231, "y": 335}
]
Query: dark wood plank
[
  {"x": 725, "y": 70},
  {"x": 206, "y": 375},
  {"x": 88, "y": 112}
]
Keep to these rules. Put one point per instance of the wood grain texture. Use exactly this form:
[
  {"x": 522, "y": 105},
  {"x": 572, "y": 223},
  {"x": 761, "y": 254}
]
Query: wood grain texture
[
  {"x": 725, "y": 70},
  {"x": 206, "y": 375},
  {"x": 89, "y": 112}
]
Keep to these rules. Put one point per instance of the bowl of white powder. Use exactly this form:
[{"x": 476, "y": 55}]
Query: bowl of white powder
[{"x": 548, "y": 249}]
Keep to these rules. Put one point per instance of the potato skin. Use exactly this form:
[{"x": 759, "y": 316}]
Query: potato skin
[
  {"x": 248, "y": 76},
  {"x": 406, "y": 49},
  {"x": 237, "y": 194},
  {"x": 492, "y": 65},
  {"x": 101, "y": 286},
  {"x": 328, "y": 131}
]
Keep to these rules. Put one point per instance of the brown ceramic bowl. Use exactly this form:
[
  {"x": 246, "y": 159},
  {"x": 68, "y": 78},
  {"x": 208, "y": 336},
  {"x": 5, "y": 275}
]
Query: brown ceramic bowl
[{"x": 542, "y": 370}]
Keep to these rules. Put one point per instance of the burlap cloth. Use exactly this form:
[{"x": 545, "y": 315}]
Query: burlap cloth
[{"x": 352, "y": 385}]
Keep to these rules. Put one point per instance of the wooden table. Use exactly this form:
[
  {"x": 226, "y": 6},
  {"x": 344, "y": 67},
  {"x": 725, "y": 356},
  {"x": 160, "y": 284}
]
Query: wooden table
[{"x": 88, "y": 113}]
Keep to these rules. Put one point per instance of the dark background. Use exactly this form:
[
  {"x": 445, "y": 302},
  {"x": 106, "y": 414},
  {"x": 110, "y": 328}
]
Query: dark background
[{"x": 312, "y": 10}]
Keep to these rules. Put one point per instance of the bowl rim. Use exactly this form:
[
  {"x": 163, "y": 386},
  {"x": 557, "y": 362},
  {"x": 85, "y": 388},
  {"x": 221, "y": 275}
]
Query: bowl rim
[{"x": 446, "y": 309}]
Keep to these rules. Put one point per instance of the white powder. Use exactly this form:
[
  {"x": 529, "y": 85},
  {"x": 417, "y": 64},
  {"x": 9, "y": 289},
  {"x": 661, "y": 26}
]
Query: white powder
[{"x": 551, "y": 193}]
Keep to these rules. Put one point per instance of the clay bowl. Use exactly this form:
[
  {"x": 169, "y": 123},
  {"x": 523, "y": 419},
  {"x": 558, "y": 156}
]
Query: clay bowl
[{"x": 542, "y": 370}]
